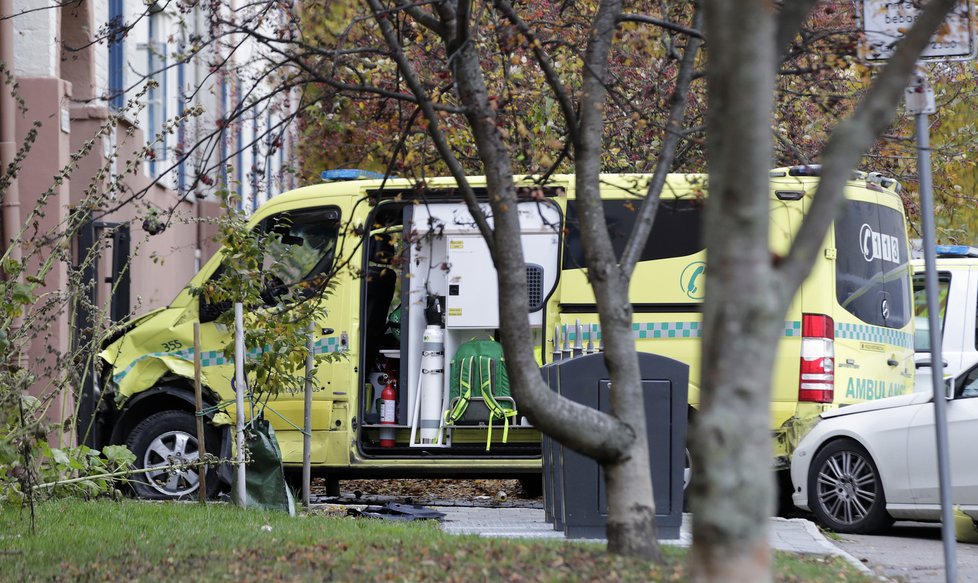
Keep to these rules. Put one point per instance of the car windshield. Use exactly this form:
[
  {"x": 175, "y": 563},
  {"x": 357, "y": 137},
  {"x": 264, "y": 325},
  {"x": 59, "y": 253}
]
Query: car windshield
[{"x": 303, "y": 247}]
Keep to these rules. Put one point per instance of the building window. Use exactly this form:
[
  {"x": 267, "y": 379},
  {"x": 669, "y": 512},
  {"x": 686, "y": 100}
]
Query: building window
[
  {"x": 156, "y": 96},
  {"x": 117, "y": 31}
]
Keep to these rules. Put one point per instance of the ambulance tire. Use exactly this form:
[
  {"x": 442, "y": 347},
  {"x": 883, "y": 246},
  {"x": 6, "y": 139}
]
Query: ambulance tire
[
  {"x": 845, "y": 492},
  {"x": 165, "y": 436}
]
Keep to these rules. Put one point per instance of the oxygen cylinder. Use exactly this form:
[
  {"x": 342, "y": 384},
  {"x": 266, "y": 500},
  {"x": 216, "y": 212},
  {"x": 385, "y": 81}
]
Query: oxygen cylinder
[
  {"x": 432, "y": 382},
  {"x": 388, "y": 405}
]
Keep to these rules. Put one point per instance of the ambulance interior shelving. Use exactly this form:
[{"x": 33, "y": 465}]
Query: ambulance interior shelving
[{"x": 429, "y": 284}]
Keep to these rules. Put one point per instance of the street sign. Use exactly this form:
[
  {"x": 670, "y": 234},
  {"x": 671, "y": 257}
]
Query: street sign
[{"x": 884, "y": 22}]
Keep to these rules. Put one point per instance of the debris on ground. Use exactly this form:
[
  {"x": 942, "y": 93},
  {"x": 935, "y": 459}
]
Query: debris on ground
[
  {"x": 395, "y": 511},
  {"x": 439, "y": 492}
]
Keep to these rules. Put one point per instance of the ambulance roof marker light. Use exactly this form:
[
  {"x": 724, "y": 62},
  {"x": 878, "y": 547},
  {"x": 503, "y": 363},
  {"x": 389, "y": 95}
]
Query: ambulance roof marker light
[
  {"x": 350, "y": 174},
  {"x": 884, "y": 181},
  {"x": 956, "y": 251}
]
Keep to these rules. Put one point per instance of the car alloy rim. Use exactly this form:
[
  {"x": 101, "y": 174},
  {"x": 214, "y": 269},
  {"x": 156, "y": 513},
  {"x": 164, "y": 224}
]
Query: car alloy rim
[
  {"x": 846, "y": 487},
  {"x": 164, "y": 456}
]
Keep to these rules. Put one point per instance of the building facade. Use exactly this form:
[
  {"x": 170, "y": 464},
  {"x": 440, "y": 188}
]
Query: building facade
[{"x": 141, "y": 119}]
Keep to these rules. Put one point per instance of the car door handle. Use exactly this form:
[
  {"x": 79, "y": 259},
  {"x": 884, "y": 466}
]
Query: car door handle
[
  {"x": 892, "y": 361},
  {"x": 328, "y": 331},
  {"x": 926, "y": 363}
]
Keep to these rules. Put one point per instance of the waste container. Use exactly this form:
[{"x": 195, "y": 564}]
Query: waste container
[{"x": 574, "y": 490}]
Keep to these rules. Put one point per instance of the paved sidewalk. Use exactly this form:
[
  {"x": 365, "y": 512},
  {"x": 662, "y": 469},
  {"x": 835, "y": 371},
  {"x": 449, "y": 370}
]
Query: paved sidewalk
[{"x": 794, "y": 535}]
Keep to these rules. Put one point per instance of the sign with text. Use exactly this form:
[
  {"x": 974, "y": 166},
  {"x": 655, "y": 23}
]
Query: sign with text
[{"x": 884, "y": 22}]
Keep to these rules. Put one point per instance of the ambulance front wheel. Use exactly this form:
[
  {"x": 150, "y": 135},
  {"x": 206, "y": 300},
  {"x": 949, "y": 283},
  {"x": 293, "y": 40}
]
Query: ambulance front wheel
[{"x": 165, "y": 444}]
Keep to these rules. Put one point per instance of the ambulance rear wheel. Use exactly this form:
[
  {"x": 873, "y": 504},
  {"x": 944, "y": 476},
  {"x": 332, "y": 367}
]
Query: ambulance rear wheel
[{"x": 165, "y": 443}]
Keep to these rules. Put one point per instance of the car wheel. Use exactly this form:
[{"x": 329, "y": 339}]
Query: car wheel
[
  {"x": 844, "y": 489},
  {"x": 163, "y": 439}
]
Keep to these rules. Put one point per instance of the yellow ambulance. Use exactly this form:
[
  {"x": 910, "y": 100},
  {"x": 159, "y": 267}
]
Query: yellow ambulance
[{"x": 417, "y": 282}]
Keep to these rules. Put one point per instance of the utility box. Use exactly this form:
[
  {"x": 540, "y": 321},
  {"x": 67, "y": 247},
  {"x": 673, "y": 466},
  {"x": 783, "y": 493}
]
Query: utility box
[
  {"x": 574, "y": 490},
  {"x": 473, "y": 296}
]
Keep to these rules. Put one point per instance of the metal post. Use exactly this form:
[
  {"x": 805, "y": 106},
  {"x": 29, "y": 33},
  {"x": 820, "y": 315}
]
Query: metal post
[
  {"x": 199, "y": 405},
  {"x": 566, "y": 342},
  {"x": 578, "y": 340},
  {"x": 921, "y": 90},
  {"x": 239, "y": 390},
  {"x": 307, "y": 421},
  {"x": 556, "y": 353}
]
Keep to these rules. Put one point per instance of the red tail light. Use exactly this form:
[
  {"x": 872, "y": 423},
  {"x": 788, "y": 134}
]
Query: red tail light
[{"x": 816, "y": 380}]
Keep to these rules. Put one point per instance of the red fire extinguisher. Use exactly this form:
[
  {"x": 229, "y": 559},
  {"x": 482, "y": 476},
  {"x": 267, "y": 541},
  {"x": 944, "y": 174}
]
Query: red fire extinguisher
[{"x": 388, "y": 405}]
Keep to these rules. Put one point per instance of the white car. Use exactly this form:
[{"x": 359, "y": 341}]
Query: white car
[{"x": 862, "y": 466}]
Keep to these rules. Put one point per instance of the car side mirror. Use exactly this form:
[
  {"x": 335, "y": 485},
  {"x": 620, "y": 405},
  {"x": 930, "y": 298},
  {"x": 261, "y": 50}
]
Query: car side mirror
[{"x": 949, "y": 388}]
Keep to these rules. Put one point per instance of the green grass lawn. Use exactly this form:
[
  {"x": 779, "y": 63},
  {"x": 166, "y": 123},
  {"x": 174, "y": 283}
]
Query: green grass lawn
[{"x": 130, "y": 540}]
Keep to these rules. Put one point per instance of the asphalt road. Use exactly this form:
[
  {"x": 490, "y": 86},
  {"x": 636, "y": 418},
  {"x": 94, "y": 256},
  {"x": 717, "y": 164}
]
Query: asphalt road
[{"x": 911, "y": 552}]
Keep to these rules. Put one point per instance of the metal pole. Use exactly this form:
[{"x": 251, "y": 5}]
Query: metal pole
[
  {"x": 199, "y": 406},
  {"x": 239, "y": 390},
  {"x": 937, "y": 366},
  {"x": 557, "y": 353},
  {"x": 578, "y": 340},
  {"x": 307, "y": 422}
]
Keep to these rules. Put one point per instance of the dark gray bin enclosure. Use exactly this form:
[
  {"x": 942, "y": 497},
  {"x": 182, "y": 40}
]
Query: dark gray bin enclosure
[
  {"x": 553, "y": 504},
  {"x": 573, "y": 485}
]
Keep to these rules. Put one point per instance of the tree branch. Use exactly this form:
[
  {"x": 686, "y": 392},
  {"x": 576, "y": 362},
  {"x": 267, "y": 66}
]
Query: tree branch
[
  {"x": 792, "y": 15},
  {"x": 854, "y": 136},
  {"x": 694, "y": 32},
  {"x": 543, "y": 59},
  {"x": 673, "y": 134},
  {"x": 434, "y": 130}
]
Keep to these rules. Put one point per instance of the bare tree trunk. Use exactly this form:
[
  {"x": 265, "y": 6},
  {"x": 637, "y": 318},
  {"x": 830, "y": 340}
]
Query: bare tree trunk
[
  {"x": 617, "y": 441},
  {"x": 748, "y": 295},
  {"x": 628, "y": 479},
  {"x": 733, "y": 485}
]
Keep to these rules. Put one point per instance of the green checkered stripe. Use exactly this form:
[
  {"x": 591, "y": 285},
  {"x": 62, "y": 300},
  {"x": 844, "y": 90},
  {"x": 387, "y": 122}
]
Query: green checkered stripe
[
  {"x": 327, "y": 345},
  {"x": 217, "y": 358},
  {"x": 667, "y": 330},
  {"x": 792, "y": 329},
  {"x": 641, "y": 331},
  {"x": 673, "y": 330},
  {"x": 876, "y": 334},
  {"x": 592, "y": 331},
  {"x": 185, "y": 354}
]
